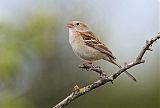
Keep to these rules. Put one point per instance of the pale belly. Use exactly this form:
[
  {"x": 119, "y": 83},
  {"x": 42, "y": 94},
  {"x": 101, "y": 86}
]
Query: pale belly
[{"x": 86, "y": 52}]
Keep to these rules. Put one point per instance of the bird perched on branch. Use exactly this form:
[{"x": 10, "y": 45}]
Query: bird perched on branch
[{"x": 88, "y": 47}]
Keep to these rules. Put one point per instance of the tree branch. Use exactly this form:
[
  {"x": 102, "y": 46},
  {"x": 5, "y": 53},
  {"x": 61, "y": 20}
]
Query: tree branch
[{"x": 77, "y": 92}]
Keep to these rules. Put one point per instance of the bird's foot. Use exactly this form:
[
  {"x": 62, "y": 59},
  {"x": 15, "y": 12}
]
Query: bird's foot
[
  {"x": 87, "y": 65},
  {"x": 92, "y": 67}
]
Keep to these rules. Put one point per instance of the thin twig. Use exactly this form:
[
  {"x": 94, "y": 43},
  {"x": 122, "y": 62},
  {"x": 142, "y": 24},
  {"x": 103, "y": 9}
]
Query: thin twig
[{"x": 77, "y": 92}]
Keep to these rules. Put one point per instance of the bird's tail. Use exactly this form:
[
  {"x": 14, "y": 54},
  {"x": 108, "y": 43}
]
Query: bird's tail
[
  {"x": 112, "y": 60},
  {"x": 130, "y": 75}
]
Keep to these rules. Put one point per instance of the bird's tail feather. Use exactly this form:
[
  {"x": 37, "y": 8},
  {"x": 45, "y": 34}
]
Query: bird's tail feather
[
  {"x": 112, "y": 60},
  {"x": 130, "y": 75}
]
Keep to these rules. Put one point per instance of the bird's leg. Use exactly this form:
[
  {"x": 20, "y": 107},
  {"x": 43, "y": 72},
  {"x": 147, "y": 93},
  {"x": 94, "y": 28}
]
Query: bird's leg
[{"x": 88, "y": 65}]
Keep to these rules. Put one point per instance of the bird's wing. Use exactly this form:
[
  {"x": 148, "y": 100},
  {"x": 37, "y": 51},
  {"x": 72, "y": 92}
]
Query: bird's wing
[{"x": 91, "y": 40}]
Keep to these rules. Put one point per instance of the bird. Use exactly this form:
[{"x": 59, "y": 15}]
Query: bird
[{"x": 88, "y": 47}]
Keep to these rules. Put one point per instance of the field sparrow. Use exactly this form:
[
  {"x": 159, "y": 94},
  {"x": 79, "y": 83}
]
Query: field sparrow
[{"x": 87, "y": 46}]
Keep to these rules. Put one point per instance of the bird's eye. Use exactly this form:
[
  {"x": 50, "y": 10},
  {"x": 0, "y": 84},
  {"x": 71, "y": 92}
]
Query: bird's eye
[{"x": 77, "y": 24}]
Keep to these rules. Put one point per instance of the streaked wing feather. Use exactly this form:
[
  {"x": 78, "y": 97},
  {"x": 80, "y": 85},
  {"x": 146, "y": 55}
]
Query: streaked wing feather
[
  {"x": 91, "y": 40},
  {"x": 89, "y": 36},
  {"x": 104, "y": 47}
]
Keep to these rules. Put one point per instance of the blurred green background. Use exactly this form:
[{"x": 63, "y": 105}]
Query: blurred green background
[{"x": 38, "y": 67}]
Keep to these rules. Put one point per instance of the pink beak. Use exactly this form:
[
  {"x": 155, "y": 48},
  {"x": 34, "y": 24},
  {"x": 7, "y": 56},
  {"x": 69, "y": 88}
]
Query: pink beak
[{"x": 69, "y": 25}]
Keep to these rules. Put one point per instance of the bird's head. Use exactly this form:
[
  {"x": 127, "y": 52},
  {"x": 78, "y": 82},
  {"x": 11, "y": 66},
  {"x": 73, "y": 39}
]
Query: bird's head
[{"x": 77, "y": 26}]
